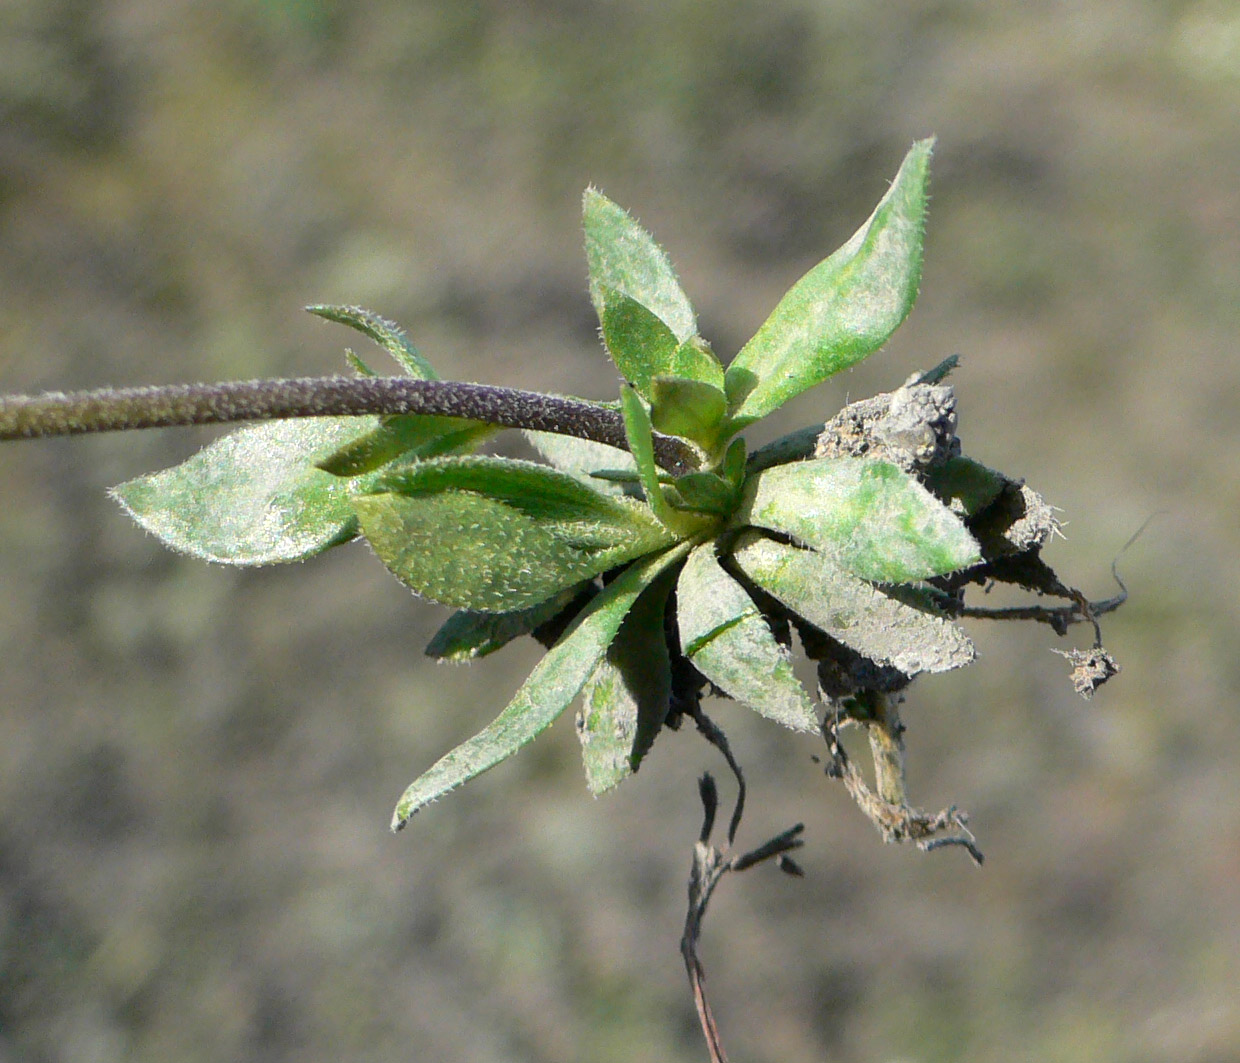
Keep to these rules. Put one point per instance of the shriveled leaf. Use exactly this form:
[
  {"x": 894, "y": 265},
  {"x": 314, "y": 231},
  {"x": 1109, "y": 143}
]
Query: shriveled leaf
[
  {"x": 843, "y": 309},
  {"x": 877, "y": 625},
  {"x": 626, "y": 698},
  {"x": 389, "y": 335},
  {"x": 623, "y": 257},
  {"x": 874, "y": 519},
  {"x": 253, "y": 497},
  {"x": 495, "y": 534},
  {"x": 722, "y": 632},
  {"x": 466, "y": 635},
  {"x": 550, "y": 688}
]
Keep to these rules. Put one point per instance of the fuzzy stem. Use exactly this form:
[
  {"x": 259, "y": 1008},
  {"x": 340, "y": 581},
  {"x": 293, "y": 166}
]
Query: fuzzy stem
[{"x": 109, "y": 409}]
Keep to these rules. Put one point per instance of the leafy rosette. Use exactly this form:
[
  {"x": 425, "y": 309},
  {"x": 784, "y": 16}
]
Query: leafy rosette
[{"x": 647, "y": 588}]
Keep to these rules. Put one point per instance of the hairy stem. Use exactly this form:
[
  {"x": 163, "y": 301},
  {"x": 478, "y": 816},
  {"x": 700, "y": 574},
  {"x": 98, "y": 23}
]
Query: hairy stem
[{"x": 109, "y": 409}]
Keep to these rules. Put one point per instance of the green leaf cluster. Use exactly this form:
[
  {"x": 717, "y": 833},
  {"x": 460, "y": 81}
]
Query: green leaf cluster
[{"x": 647, "y": 589}]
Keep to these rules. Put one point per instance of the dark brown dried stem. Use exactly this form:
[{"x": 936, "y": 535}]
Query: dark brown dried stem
[{"x": 710, "y": 864}]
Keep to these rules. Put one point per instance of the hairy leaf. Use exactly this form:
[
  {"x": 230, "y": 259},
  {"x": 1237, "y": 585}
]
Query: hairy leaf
[
  {"x": 967, "y": 486},
  {"x": 582, "y": 458},
  {"x": 875, "y": 624},
  {"x": 466, "y": 634},
  {"x": 689, "y": 408},
  {"x": 876, "y": 520},
  {"x": 626, "y": 698},
  {"x": 253, "y": 497},
  {"x": 843, "y": 309},
  {"x": 397, "y": 435},
  {"x": 407, "y": 437},
  {"x": 390, "y": 336},
  {"x": 643, "y": 347},
  {"x": 639, "y": 342},
  {"x": 496, "y": 535},
  {"x": 705, "y": 492},
  {"x": 722, "y": 632},
  {"x": 623, "y": 257},
  {"x": 641, "y": 445},
  {"x": 550, "y": 688},
  {"x": 732, "y": 468}
]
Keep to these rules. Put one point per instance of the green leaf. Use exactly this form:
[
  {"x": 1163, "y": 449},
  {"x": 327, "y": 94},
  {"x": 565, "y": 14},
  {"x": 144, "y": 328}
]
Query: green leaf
[
  {"x": 622, "y": 256},
  {"x": 722, "y": 632},
  {"x": 734, "y": 463},
  {"x": 643, "y": 347},
  {"x": 408, "y": 437},
  {"x": 843, "y": 309},
  {"x": 390, "y": 336},
  {"x": 695, "y": 360},
  {"x": 874, "y": 623},
  {"x": 874, "y": 519},
  {"x": 641, "y": 445},
  {"x": 637, "y": 339},
  {"x": 795, "y": 446},
  {"x": 626, "y": 698},
  {"x": 688, "y": 408},
  {"x": 495, "y": 534},
  {"x": 704, "y": 492},
  {"x": 399, "y": 435},
  {"x": 550, "y": 688},
  {"x": 253, "y": 497},
  {"x": 583, "y": 458},
  {"x": 466, "y": 634}
]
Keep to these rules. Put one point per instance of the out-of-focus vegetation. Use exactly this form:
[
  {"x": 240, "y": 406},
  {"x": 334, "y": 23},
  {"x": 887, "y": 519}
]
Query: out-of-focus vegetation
[{"x": 196, "y": 765}]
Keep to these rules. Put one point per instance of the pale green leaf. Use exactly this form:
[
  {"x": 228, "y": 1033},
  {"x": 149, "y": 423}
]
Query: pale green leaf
[
  {"x": 852, "y": 611},
  {"x": 626, "y": 698},
  {"x": 495, "y": 534},
  {"x": 550, "y": 688},
  {"x": 843, "y": 309},
  {"x": 623, "y": 257},
  {"x": 253, "y": 497},
  {"x": 876, "y": 520},
  {"x": 723, "y": 633}
]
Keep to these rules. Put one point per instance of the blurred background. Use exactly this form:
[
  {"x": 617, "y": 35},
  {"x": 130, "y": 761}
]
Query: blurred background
[{"x": 197, "y": 765}]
